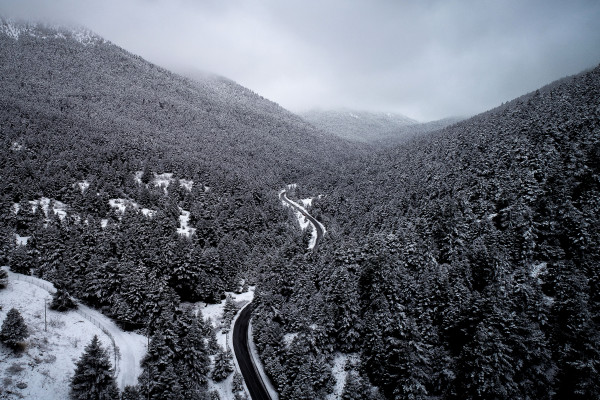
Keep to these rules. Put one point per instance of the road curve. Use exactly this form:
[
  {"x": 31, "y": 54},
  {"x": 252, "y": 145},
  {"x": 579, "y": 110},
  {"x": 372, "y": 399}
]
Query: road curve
[
  {"x": 316, "y": 224},
  {"x": 253, "y": 380}
]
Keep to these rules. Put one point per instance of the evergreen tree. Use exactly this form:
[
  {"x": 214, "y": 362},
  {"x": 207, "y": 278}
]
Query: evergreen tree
[
  {"x": 223, "y": 366},
  {"x": 229, "y": 311},
  {"x": 93, "y": 379},
  {"x": 130, "y": 393},
  {"x": 62, "y": 301},
  {"x": 3, "y": 278},
  {"x": 13, "y": 329}
]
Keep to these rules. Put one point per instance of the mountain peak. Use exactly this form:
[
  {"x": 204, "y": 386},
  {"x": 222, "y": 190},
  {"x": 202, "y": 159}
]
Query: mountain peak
[{"x": 16, "y": 29}]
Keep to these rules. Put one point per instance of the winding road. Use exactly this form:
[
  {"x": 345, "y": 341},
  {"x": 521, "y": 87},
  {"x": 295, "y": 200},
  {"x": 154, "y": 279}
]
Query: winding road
[
  {"x": 254, "y": 382},
  {"x": 316, "y": 224}
]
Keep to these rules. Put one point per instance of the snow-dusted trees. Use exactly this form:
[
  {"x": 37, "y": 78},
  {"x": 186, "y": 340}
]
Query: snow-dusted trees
[
  {"x": 93, "y": 378},
  {"x": 3, "y": 278},
  {"x": 13, "y": 329},
  {"x": 223, "y": 366},
  {"x": 62, "y": 300}
]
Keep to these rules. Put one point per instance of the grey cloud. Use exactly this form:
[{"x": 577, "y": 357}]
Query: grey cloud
[{"x": 426, "y": 59}]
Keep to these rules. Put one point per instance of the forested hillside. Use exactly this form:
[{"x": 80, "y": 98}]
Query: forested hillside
[
  {"x": 462, "y": 264},
  {"x": 136, "y": 189}
]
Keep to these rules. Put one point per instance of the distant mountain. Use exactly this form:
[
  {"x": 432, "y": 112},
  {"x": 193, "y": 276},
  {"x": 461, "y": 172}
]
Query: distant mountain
[
  {"x": 360, "y": 126},
  {"x": 371, "y": 127},
  {"x": 81, "y": 92}
]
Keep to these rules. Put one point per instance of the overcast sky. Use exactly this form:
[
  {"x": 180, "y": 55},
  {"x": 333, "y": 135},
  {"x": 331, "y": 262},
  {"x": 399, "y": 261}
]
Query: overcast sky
[{"x": 426, "y": 59}]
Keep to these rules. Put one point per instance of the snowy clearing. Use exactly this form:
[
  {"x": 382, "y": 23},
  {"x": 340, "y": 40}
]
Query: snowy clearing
[
  {"x": 186, "y": 184},
  {"x": 48, "y": 362},
  {"x": 340, "y": 371},
  {"x": 21, "y": 240},
  {"x": 59, "y": 208},
  {"x": 184, "y": 219},
  {"x": 83, "y": 185},
  {"x": 130, "y": 347}
]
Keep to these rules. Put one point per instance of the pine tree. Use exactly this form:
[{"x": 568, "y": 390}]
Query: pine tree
[
  {"x": 130, "y": 393},
  {"x": 223, "y": 366},
  {"x": 13, "y": 329},
  {"x": 93, "y": 379},
  {"x": 229, "y": 311},
  {"x": 3, "y": 278},
  {"x": 62, "y": 301}
]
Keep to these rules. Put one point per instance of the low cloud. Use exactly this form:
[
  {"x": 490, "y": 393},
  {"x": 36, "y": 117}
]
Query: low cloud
[{"x": 426, "y": 59}]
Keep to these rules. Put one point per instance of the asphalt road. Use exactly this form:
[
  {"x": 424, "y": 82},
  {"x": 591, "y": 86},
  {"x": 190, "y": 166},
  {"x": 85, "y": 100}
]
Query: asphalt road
[
  {"x": 313, "y": 221},
  {"x": 254, "y": 382}
]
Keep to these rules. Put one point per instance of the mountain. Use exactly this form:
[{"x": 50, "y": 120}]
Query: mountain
[
  {"x": 462, "y": 263},
  {"x": 360, "y": 126},
  {"x": 73, "y": 84}
]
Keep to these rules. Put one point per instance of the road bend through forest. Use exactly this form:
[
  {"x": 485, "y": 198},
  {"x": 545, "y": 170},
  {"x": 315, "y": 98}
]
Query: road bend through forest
[{"x": 254, "y": 382}]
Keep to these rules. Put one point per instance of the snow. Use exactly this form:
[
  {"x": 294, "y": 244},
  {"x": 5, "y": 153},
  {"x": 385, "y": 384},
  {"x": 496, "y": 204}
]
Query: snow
[
  {"x": 138, "y": 177},
  {"x": 128, "y": 349},
  {"x": 184, "y": 219},
  {"x": 163, "y": 180},
  {"x": 354, "y": 115},
  {"x": 122, "y": 204},
  {"x": 83, "y": 185},
  {"x": 538, "y": 269},
  {"x": 21, "y": 240},
  {"x": 103, "y": 222},
  {"x": 16, "y": 146},
  {"x": 16, "y": 30},
  {"x": 292, "y": 186},
  {"x": 59, "y": 208},
  {"x": 186, "y": 184},
  {"x": 48, "y": 362},
  {"x": 307, "y": 202},
  {"x": 148, "y": 212},
  {"x": 288, "y": 338},
  {"x": 340, "y": 371}
]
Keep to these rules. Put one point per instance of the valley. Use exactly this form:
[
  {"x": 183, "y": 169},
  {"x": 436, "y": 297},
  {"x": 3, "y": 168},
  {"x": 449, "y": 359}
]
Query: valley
[{"x": 451, "y": 259}]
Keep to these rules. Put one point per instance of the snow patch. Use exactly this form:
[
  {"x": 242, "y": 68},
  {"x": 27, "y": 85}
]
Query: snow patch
[
  {"x": 21, "y": 240},
  {"x": 184, "y": 220},
  {"x": 307, "y": 202},
  {"x": 51, "y": 355},
  {"x": 186, "y": 184},
  {"x": 16, "y": 146},
  {"x": 354, "y": 115},
  {"x": 138, "y": 177},
  {"x": 163, "y": 180},
  {"x": 103, "y": 222},
  {"x": 59, "y": 208},
  {"x": 288, "y": 338},
  {"x": 538, "y": 269},
  {"x": 339, "y": 371},
  {"x": 83, "y": 185},
  {"x": 122, "y": 204}
]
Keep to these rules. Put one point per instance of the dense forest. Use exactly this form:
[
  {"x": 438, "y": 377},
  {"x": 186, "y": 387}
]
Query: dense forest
[{"x": 461, "y": 263}]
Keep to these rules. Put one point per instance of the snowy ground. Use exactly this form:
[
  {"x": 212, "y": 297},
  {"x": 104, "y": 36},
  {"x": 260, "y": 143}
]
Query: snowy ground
[
  {"x": 341, "y": 364},
  {"x": 48, "y": 362},
  {"x": 130, "y": 347},
  {"x": 184, "y": 219}
]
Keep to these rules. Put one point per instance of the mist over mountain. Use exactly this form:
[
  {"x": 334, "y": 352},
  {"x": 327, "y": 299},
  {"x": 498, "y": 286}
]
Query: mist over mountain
[{"x": 371, "y": 127}]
